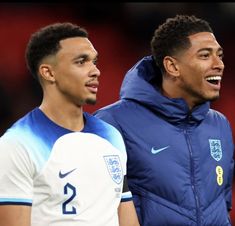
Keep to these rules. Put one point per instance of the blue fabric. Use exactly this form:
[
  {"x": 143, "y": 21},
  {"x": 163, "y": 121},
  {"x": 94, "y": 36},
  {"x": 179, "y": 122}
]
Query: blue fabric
[
  {"x": 174, "y": 165},
  {"x": 39, "y": 133}
]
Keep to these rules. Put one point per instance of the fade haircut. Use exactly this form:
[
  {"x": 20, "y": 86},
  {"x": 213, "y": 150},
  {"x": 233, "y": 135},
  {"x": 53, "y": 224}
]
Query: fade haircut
[
  {"x": 46, "y": 41},
  {"x": 172, "y": 36}
]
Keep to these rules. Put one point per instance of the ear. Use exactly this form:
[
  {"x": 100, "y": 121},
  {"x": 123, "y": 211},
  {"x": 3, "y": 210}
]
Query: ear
[
  {"x": 46, "y": 73},
  {"x": 171, "y": 66}
]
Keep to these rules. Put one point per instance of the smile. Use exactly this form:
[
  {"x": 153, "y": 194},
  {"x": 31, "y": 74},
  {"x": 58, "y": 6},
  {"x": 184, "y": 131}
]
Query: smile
[{"x": 214, "y": 79}]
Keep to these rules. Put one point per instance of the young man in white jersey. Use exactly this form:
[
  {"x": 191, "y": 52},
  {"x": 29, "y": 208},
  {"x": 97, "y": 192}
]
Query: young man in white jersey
[{"x": 59, "y": 165}]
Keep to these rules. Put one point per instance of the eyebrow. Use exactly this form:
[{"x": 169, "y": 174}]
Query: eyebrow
[
  {"x": 84, "y": 56},
  {"x": 210, "y": 49}
]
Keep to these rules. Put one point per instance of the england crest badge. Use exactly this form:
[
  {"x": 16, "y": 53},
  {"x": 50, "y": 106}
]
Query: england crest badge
[
  {"x": 215, "y": 149},
  {"x": 113, "y": 164}
]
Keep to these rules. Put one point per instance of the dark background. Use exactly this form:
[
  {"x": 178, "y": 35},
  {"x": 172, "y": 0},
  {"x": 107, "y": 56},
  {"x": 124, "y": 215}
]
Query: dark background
[{"x": 120, "y": 32}]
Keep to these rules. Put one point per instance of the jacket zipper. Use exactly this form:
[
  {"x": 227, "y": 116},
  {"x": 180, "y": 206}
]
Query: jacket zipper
[{"x": 195, "y": 192}]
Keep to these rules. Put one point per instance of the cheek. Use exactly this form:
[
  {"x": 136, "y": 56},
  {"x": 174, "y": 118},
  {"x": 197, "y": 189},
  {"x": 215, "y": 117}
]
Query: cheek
[
  {"x": 70, "y": 83},
  {"x": 73, "y": 77},
  {"x": 194, "y": 73},
  {"x": 76, "y": 85}
]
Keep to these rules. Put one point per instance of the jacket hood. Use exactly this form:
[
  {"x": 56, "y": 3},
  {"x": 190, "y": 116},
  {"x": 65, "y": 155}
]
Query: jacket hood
[{"x": 138, "y": 86}]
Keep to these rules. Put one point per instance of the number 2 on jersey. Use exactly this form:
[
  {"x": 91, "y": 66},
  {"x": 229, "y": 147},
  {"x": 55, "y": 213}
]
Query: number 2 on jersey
[{"x": 66, "y": 206}]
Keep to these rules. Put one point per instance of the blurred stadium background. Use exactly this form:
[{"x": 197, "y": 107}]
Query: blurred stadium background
[{"x": 121, "y": 33}]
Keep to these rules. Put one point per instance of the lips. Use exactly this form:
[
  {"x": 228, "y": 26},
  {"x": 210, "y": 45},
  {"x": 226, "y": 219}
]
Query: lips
[
  {"x": 214, "y": 81},
  {"x": 92, "y": 86}
]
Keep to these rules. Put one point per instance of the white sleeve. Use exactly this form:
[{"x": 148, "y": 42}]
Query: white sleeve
[{"x": 16, "y": 173}]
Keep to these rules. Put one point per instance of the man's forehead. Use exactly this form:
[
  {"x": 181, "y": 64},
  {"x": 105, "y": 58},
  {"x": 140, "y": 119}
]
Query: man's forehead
[{"x": 204, "y": 40}]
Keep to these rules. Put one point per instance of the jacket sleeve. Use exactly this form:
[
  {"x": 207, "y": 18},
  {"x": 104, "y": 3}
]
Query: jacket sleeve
[{"x": 228, "y": 188}]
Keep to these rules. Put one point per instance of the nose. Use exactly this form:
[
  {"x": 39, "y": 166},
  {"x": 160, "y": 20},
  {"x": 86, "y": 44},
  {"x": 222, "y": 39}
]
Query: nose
[
  {"x": 95, "y": 72},
  {"x": 218, "y": 63}
]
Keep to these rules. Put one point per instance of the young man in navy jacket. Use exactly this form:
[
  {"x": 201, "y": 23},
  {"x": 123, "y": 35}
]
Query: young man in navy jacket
[{"x": 180, "y": 151}]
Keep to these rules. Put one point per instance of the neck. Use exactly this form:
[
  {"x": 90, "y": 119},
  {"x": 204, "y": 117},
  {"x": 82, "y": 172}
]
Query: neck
[
  {"x": 170, "y": 89},
  {"x": 66, "y": 115}
]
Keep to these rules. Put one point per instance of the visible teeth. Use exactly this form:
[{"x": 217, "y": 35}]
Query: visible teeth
[{"x": 213, "y": 78}]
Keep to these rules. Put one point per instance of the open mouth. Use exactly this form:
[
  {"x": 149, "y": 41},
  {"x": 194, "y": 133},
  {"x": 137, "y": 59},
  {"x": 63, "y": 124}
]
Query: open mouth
[{"x": 215, "y": 80}]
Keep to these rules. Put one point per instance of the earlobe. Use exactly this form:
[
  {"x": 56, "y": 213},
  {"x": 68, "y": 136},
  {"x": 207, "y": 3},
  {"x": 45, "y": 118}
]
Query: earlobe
[
  {"x": 46, "y": 73},
  {"x": 171, "y": 66}
]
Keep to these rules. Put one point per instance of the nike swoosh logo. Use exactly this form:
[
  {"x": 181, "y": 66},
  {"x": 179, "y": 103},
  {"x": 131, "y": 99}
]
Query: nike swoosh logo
[
  {"x": 62, "y": 175},
  {"x": 155, "y": 151}
]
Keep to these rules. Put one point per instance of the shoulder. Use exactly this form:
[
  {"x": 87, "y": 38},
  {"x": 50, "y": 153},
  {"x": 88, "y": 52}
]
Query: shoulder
[
  {"x": 114, "y": 108},
  {"x": 219, "y": 119},
  {"x": 27, "y": 131},
  {"x": 116, "y": 112},
  {"x": 17, "y": 132},
  {"x": 110, "y": 109},
  {"x": 19, "y": 140},
  {"x": 13, "y": 150},
  {"x": 216, "y": 115},
  {"x": 105, "y": 130},
  {"x": 34, "y": 135}
]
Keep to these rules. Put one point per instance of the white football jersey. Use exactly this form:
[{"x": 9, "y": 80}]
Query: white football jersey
[{"x": 69, "y": 178}]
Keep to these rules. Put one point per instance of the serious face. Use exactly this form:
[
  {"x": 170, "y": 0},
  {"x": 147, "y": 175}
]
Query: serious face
[
  {"x": 75, "y": 71},
  {"x": 200, "y": 69}
]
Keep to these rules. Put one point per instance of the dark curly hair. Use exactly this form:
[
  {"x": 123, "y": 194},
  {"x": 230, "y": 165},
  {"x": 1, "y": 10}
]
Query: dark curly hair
[
  {"x": 172, "y": 36},
  {"x": 46, "y": 41}
]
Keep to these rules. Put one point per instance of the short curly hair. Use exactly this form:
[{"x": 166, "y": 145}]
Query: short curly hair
[
  {"x": 46, "y": 41},
  {"x": 172, "y": 36}
]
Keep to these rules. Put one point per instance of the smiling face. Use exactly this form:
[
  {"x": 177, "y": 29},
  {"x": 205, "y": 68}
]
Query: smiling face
[
  {"x": 75, "y": 72},
  {"x": 200, "y": 69}
]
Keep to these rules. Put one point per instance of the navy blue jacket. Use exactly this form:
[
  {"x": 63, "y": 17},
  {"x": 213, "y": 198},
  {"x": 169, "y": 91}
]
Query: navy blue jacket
[{"x": 180, "y": 163}]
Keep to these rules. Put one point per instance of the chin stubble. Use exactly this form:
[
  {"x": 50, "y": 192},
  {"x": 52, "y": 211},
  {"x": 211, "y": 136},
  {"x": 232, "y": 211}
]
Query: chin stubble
[{"x": 91, "y": 101}]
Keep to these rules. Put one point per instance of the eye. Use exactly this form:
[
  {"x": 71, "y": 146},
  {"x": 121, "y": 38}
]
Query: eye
[
  {"x": 95, "y": 62},
  {"x": 221, "y": 56},
  {"x": 204, "y": 55},
  {"x": 80, "y": 61}
]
